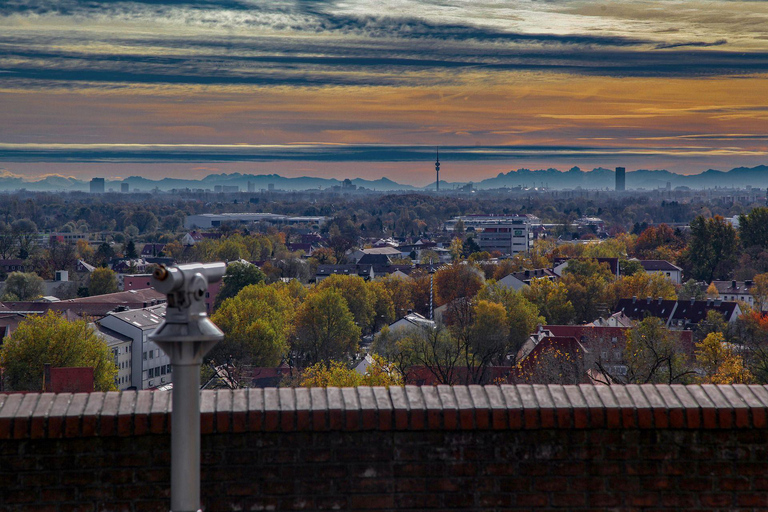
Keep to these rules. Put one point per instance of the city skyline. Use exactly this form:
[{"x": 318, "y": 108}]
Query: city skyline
[{"x": 185, "y": 89}]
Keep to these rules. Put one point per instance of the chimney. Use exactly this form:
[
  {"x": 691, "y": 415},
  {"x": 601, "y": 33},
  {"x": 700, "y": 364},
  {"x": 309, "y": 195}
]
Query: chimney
[
  {"x": 634, "y": 299},
  {"x": 748, "y": 283},
  {"x": 648, "y": 300},
  {"x": 660, "y": 299},
  {"x": 527, "y": 273},
  {"x": 709, "y": 301},
  {"x": 733, "y": 284}
]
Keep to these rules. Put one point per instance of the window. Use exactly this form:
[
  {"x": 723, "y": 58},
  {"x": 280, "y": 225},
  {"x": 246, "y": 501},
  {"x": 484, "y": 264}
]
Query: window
[
  {"x": 145, "y": 356},
  {"x": 151, "y": 372},
  {"x": 151, "y": 354}
]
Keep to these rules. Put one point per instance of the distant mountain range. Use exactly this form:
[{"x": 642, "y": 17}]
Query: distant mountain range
[{"x": 598, "y": 178}]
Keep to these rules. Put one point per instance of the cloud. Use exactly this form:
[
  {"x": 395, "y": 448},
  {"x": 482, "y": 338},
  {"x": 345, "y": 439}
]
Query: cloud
[
  {"x": 698, "y": 44},
  {"x": 170, "y": 153}
]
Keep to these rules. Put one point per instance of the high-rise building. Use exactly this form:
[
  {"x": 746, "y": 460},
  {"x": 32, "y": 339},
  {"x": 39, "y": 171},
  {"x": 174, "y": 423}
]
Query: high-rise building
[
  {"x": 124, "y": 188},
  {"x": 620, "y": 183},
  {"x": 97, "y": 186},
  {"x": 437, "y": 170},
  {"x": 251, "y": 186}
]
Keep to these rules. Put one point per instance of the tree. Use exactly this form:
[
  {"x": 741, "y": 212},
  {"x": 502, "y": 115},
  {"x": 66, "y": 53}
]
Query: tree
[
  {"x": 457, "y": 280},
  {"x": 711, "y": 253},
  {"x": 237, "y": 276},
  {"x": 643, "y": 285},
  {"x": 102, "y": 280},
  {"x": 691, "y": 290},
  {"x": 23, "y": 286},
  {"x": 325, "y": 328},
  {"x": 551, "y": 299},
  {"x": 360, "y": 298},
  {"x": 336, "y": 374},
  {"x": 24, "y": 231},
  {"x": 719, "y": 362},
  {"x": 586, "y": 281},
  {"x": 653, "y": 355},
  {"x": 401, "y": 293},
  {"x": 522, "y": 315},
  {"x": 51, "y": 339},
  {"x": 257, "y": 323},
  {"x": 759, "y": 291},
  {"x": 144, "y": 220},
  {"x": 753, "y": 227},
  {"x": 659, "y": 243},
  {"x": 130, "y": 250}
]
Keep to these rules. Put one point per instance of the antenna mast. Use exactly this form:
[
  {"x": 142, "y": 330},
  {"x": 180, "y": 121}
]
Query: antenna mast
[{"x": 437, "y": 169}]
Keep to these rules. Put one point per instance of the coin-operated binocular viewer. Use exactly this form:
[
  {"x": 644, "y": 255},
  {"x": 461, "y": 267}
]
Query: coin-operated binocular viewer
[{"x": 186, "y": 335}]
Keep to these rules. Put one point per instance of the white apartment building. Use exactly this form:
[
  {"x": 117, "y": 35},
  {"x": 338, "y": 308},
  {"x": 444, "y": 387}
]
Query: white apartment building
[
  {"x": 508, "y": 234},
  {"x": 150, "y": 367},
  {"x": 121, "y": 347}
]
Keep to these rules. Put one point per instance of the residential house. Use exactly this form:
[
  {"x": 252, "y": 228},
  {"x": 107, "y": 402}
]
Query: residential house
[
  {"x": 736, "y": 291},
  {"x": 663, "y": 268},
  {"x": 516, "y": 280},
  {"x": 677, "y": 314}
]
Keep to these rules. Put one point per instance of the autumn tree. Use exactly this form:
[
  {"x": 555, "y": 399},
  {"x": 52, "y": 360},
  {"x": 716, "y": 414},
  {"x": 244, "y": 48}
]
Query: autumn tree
[
  {"x": 587, "y": 282},
  {"x": 237, "y": 276},
  {"x": 257, "y": 323},
  {"x": 719, "y": 363},
  {"x": 325, "y": 328},
  {"x": 759, "y": 291},
  {"x": 643, "y": 285},
  {"x": 102, "y": 281},
  {"x": 51, "y": 339},
  {"x": 23, "y": 286},
  {"x": 658, "y": 243},
  {"x": 653, "y": 355},
  {"x": 457, "y": 280},
  {"x": 338, "y": 374},
  {"x": 551, "y": 299},
  {"x": 401, "y": 293}
]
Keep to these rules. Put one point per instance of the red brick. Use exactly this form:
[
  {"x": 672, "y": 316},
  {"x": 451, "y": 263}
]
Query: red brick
[
  {"x": 752, "y": 499},
  {"x": 532, "y": 500},
  {"x": 371, "y": 502},
  {"x": 716, "y": 499}
]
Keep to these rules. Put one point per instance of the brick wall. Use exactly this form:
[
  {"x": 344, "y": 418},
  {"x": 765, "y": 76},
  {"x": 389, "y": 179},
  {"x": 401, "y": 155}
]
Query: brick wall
[{"x": 473, "y": 448}]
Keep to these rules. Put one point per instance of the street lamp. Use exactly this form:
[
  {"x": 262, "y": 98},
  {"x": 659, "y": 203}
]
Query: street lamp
[{"x": 186, "y": 335}]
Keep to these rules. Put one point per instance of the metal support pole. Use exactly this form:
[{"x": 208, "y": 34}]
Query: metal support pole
[
  {"x": 186, "y": 335},
  {"x": 185, "y": 439}
]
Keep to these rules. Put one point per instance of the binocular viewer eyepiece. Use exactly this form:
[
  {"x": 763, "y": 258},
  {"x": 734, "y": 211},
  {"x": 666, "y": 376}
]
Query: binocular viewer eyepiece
[{"x": 187, "y": 278}]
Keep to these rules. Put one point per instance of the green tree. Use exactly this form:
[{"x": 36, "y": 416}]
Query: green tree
[
  {"x": 753, "y": 227},
  {"x": 51, "y": 339},
  {"x": 653, "y": 355},
  {"x": 325, "y": 328},
  {"x": 360, "y": 298},
  {"x": 711, "y": 253},
  {"x": 257, "y": 323},
  {"x": 102, "y": 280},
  {"x": 23, "y": 286},
  {"x": 691, "y": 290},
  {"x": 130, "y": 250},
  {"x": 238, "y": 276}
]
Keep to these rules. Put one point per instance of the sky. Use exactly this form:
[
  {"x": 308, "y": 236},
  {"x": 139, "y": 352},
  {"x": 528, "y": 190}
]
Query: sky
[{"x": 368, "y": 89}]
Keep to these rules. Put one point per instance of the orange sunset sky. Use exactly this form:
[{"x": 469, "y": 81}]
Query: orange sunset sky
[{"x": 363, "y": 89}]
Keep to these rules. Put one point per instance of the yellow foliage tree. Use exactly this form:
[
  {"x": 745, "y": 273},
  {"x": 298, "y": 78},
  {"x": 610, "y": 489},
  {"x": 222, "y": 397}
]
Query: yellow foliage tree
[
  {"x": 719, "y": 363},
  {"x": 336, "y": 374},
  {"x": 54, "y": 340}
]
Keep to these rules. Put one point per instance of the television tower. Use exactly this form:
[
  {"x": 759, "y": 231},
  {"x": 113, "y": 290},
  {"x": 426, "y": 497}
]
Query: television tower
[{"x": 437, "y": 169}]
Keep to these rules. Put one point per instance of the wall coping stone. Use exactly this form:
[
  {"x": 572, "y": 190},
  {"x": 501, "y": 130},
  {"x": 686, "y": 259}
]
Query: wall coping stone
[{"x": 505, "y": 407}]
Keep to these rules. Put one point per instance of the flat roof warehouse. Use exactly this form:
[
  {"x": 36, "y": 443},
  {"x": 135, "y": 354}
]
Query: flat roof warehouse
[{"x": 212, "y": 220}]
